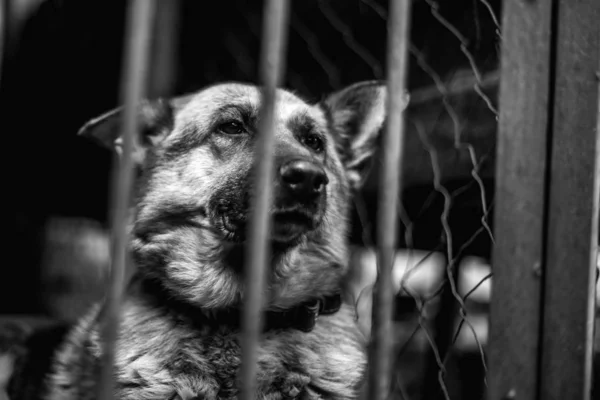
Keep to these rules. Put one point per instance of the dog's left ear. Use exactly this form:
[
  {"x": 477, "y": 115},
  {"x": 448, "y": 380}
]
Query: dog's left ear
[
  {"x": 357, "y": 114},
  {"x": 155, "y": 123}
]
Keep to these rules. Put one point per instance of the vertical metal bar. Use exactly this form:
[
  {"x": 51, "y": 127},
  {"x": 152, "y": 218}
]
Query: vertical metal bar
[
  {"x": 273, "y": 46},
  {"x": 139, "y": 22},
  {"x": 520, "y": 203},
  {"x": 165, "y": 49},
  {"x": 572, "y": 234},
  {"x": 389, "y": 189},
  {"x": 3, "y": 31}
]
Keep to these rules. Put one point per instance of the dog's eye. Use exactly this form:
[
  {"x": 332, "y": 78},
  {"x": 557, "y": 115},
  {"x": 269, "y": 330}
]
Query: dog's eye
[
  {"x": 232, "y": 128},
  {"x": 314, "y": 142}
]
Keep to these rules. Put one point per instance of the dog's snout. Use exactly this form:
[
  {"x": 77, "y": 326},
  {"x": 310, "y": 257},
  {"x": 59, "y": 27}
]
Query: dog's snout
[{"x": 303, "y": 177}]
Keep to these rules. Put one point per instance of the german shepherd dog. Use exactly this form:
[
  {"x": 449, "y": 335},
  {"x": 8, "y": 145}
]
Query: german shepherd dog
[{"x": 180, "y": 324}]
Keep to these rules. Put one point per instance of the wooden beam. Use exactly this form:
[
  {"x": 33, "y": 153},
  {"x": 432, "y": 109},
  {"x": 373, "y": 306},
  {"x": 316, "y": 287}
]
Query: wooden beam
[
  {"x": 520, "y": 203},
  {"x": 572, "y": 235}
]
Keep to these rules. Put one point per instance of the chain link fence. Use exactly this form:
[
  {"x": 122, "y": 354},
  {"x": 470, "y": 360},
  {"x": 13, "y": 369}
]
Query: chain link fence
[{"x": 443, "y": 271}]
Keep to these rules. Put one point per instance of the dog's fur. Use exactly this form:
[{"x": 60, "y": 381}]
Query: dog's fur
[{"x": 187, "y": 238}]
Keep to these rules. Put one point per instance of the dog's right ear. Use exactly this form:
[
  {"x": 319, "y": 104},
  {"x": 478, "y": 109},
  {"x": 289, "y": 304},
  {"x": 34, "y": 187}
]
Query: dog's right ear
[
  {"x": 358, "y": 113},
  {"x": 155, "y": 123}
]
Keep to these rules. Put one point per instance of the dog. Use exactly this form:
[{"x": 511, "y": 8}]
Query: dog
[{"x": 180, "y": 332}]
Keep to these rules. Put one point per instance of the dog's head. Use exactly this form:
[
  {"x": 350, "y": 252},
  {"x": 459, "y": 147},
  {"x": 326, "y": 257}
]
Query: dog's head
[{"x": 196, "y": 157}]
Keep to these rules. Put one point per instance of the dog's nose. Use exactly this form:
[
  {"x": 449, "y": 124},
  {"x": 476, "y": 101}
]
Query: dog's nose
[{"x": 303, "y": 177}]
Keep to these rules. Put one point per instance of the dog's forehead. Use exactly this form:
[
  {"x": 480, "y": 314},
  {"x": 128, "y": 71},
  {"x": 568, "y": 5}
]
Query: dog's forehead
[{"x": 204, "y": 104}]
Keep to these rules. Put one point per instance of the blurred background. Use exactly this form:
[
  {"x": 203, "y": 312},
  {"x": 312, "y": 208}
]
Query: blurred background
[{"x": 62, "y": 66}]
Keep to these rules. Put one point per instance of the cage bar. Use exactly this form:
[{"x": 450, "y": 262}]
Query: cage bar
[
  {"x": 3, "y": 31},
  {"x": 519, "y": 226},
  {"x": 387, "y": 218},
  {"x": 138, "y": 34},
  {"x": 271, "y": 67},
  {"x": 165, "y": 49},
  {"x": 573, "y": 201}
]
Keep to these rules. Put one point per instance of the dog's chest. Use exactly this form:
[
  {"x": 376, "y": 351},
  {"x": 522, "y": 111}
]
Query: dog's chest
[{"x": 325, "y": 363}]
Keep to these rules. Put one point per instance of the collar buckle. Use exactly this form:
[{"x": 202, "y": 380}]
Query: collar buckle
[{"x": 308, "y": 315}]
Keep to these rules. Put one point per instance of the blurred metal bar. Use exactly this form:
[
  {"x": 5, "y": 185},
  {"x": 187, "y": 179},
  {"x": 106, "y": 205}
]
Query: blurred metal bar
[
  {"x": 165, "y": 49},
  {"x": 572, "y": 234},
  {"x": 521, "y": 165},
  {"x": 135, "y": 68},
  {"x": 4, "y": 7},
  {"x": 273, "y": 48},
  {"x": 389, "y": 189}
]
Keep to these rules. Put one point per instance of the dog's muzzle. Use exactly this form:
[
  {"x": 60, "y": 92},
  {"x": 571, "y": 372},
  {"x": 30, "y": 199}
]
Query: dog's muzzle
[{"x": 300, "y": 200}]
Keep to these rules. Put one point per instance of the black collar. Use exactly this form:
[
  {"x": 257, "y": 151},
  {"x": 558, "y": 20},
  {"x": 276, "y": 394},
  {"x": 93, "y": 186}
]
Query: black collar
[{"x": 302, "y": 317}]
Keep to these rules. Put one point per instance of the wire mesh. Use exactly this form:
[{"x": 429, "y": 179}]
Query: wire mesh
[{"x": 455, "y": 249}]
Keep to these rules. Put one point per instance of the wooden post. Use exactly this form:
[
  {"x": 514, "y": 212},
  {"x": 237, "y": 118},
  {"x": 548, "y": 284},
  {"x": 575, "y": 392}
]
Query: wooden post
[
  {"x": 525, "y": 93},
  {"x": 572, "y": 234},
  {"x": 542, "y": 311}
]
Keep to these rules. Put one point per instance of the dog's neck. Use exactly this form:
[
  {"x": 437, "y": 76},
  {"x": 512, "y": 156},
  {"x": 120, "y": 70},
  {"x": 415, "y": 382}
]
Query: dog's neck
[{"x": 302, "y": 317}]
